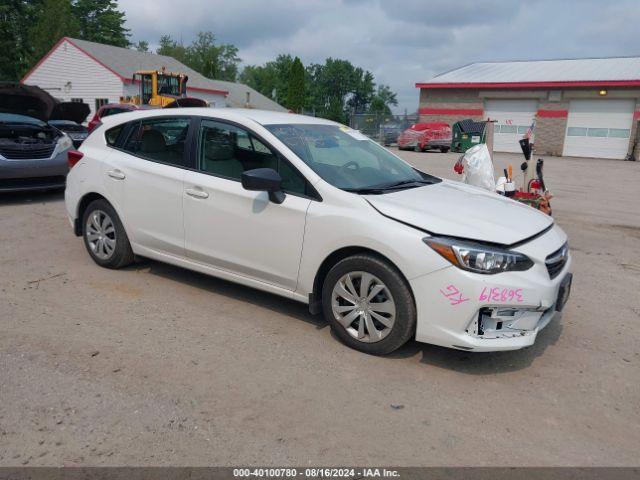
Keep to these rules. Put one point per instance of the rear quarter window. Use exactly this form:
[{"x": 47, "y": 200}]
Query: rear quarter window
[{"x": 112, "y": 135}]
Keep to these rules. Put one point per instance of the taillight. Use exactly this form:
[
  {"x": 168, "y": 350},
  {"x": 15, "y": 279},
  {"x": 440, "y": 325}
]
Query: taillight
[{"x": 73, "y": 157}]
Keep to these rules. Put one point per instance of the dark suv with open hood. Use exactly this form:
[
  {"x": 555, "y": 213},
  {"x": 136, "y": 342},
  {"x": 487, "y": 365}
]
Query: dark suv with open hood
[{"x": 33, "y": 153}]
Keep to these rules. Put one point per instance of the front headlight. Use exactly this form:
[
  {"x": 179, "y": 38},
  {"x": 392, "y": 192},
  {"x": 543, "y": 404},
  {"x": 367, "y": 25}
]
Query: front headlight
[
  {"x": 478, "y": 258},
  {"x": 64, "y": 143}
]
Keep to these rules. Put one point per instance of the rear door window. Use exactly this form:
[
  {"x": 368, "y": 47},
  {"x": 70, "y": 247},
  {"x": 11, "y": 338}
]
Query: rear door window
[{"x": 160, "y": 139}]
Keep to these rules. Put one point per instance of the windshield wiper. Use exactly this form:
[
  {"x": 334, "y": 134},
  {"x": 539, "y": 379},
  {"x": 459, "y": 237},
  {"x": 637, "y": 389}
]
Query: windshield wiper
[
  {"x": 404, "y": 184},
  {"x": 365, "y": 191},
  {"x": 384, "y": 188}
]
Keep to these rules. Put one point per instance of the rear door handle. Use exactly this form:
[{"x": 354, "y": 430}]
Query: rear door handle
[
  {"x": 196, "y": 193},
  {"x": 117, "y": 174}
]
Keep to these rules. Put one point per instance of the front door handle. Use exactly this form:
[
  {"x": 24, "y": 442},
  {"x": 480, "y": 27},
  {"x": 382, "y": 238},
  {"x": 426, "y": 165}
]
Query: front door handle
[
  {"x": 117, "y": 174},
  {"x": 196, "y": 193}
]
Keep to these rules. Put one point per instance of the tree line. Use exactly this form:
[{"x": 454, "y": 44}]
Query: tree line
[{"x": 333, "y": 89}]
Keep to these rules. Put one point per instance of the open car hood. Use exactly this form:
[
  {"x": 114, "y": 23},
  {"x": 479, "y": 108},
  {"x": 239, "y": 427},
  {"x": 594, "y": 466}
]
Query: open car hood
[
  {"x": 74, "y": 111},
  {"x": 459, "y": 210},
  {"x": 26, "y": 100},
  {"x": 35, "y": 102}
]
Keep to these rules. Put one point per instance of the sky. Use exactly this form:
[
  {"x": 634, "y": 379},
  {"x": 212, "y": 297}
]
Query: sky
[{"x": 400, "y": 42}]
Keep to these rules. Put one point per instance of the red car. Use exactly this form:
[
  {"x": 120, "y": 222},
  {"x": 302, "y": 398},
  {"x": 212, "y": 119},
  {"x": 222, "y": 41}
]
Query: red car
[
  {"x": 424, "y": 136},
  {"x": 110, "y": 109}
]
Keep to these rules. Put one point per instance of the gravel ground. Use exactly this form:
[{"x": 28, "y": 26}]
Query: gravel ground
[{"x": 155, "y": 365}]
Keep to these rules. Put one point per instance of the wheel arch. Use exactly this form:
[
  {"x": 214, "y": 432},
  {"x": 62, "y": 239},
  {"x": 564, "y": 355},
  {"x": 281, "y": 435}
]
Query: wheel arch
[
  {"x": 315, "y": 298},
  {"x": 84, "y": 202}
]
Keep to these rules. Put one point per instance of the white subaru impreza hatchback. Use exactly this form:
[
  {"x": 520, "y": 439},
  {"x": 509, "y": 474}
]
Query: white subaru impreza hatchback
[{"x": 314, "y": 211}]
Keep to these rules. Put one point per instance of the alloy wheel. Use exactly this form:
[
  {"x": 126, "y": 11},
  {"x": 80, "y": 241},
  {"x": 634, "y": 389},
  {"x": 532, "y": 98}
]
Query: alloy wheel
[
  {"x": 364, "y": 306},
  {"x": 101, "y": 234}
]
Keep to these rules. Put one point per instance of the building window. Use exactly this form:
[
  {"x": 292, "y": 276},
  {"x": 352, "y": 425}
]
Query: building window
[
  {"x": 619, "y": 132},
  {"x": 577, "y": 132},
  {"x": 597, "y": 132},
  {"x": 100, "y": 102},
  {"x": 76, "y": 100}
]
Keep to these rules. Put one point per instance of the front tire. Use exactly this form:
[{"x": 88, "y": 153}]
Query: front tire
[
  {"x": 444, "y": 149},
  {"x": 369, "y": 305},
  {"x": 104, "y": 236}
]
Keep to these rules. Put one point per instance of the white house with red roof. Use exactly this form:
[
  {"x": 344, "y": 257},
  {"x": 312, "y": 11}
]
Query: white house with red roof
[{"x": 97, "y": 74}]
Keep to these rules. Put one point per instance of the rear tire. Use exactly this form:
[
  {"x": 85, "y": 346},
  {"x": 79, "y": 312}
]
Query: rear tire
[
  {"x": 444, "y": 149},
  {"x": 104, "y": 236},
  {"x": 369, "y": 304}
]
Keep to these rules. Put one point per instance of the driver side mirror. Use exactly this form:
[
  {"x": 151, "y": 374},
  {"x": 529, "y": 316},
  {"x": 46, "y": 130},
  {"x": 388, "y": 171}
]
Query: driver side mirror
[{"x": 264, "y": 180}]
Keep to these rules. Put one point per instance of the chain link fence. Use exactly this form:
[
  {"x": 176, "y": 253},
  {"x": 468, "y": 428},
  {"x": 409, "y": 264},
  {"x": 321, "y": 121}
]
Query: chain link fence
[{"x": 382, "y": 128}]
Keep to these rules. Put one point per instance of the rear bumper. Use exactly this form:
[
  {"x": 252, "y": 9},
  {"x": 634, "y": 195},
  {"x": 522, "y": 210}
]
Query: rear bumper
[
  {"x": 439, "y": 143},
  {"x": 23, "y": 175}
]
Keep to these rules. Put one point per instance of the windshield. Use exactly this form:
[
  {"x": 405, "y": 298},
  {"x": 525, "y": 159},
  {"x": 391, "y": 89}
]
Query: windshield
[
  {"x": 168, "y": 85},
  {"x": 15, "y": 118},
  {"x": 347, "y": 159}
]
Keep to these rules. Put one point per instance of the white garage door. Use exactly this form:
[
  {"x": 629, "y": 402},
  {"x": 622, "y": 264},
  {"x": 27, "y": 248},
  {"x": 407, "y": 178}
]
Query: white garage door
[
  {"x": 514, "y": 118},
  {"x": 599, "y": 128}
]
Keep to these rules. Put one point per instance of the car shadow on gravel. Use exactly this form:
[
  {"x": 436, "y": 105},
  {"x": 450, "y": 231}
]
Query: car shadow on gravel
[
  {"x": 482, "y": 363},
  {"x": 252, "y": 296},
  {"x": 485, "y": 363},
  {"x": 23, "y": 198}
]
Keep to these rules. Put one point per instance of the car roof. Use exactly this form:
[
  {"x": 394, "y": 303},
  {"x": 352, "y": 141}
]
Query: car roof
[
  {"x": 128, "y": 106},
  {"x": 428, "y": 125},
  {"x": 263, "y": 117}
]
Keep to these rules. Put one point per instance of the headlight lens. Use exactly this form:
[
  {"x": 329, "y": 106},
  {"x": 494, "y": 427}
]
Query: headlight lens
[
  {"x": 478, "y": 258},
  {"x": 64, "y": 143}
]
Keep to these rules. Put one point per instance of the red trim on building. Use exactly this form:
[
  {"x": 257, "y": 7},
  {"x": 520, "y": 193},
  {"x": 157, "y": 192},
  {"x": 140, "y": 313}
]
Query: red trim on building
[
  {"x": 123, "y": 79},
  {"x": 516, "y": 85},
  {"x": 636, "y": 115},
  {"x": 43, "y": 59},
  {"x": 96, "y": 60},
  {"x": 450, "y": 111},
  {"x": 553, "y": 113}
]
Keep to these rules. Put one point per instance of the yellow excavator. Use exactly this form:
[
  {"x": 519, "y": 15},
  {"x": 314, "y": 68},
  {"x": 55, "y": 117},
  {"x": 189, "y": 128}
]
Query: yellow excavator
[{"x": 162, "y": 89}]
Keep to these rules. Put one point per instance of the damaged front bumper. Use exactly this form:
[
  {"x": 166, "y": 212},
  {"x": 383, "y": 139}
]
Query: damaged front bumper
[{"x": 482, "y": 313}]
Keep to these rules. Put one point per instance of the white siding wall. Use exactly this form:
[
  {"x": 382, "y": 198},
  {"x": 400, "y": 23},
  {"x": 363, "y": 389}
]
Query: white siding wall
[
  {"x": 88, "y": 79},
  {"x": 214, "y": 99}
]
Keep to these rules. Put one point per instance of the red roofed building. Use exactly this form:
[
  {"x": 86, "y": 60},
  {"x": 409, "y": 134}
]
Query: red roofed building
[{"x": 582, "y": 107}]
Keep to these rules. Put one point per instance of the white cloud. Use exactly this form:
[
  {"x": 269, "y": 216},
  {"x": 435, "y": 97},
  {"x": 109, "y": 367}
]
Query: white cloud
[{"x": 400, "y": 42}]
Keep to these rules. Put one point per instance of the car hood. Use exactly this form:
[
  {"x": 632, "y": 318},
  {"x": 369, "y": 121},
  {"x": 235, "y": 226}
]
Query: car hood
[
  {"x": 35, "y": 102},
  {"x": 26, "y": 100},
  {"x": 74, "y": 111},
  {"x": 459, "y": 210}
]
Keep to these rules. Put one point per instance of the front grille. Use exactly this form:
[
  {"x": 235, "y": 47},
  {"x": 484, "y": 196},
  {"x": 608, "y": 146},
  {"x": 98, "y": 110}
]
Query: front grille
[
  {"x": 557, "y": 260},
  {"x": 27, "y": 151},
  {"x": 32, "y": 182}
]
